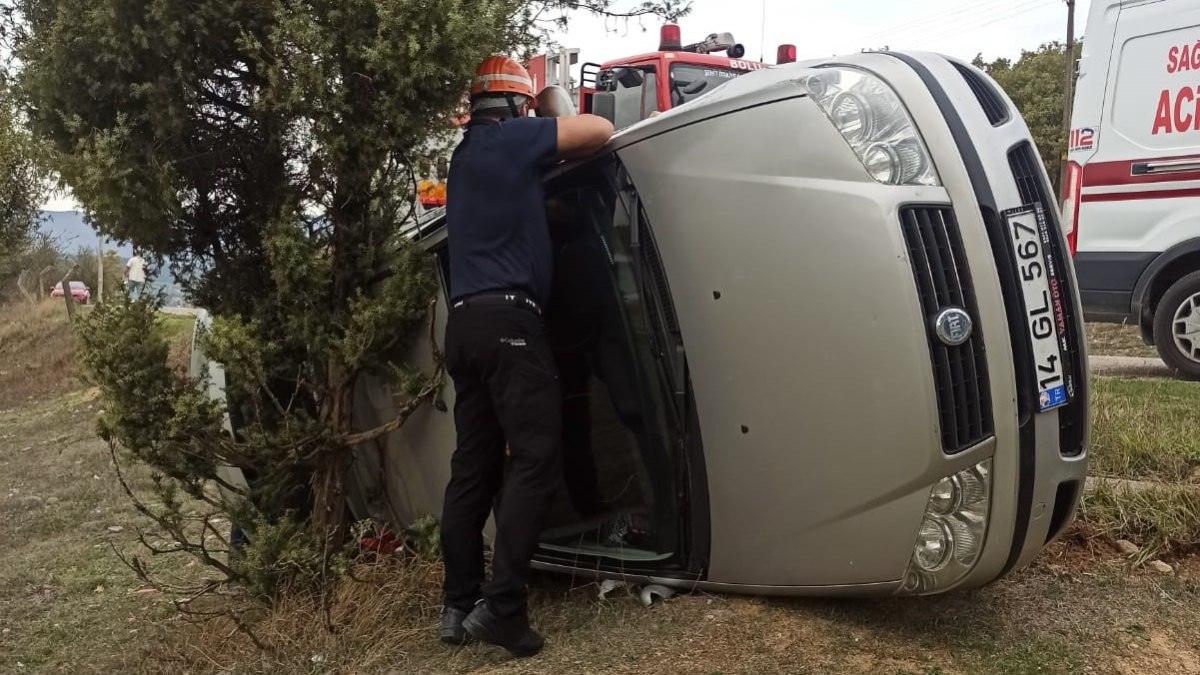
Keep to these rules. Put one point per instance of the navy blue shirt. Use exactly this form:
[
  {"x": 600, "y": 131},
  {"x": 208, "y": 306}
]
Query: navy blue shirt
[{"x": 496, "y": 210}]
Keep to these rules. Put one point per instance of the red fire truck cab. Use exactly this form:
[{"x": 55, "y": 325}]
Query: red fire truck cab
[{"x": 631, "y": 89}]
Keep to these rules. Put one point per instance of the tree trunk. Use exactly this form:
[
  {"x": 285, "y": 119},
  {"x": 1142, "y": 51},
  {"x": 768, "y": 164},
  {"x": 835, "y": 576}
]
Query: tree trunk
[
  {"x": 330, "y": 518},
  {"x": 329, "y": 498}
]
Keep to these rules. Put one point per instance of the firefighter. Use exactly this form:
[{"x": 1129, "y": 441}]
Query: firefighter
[{"x": 505, "y": 381}]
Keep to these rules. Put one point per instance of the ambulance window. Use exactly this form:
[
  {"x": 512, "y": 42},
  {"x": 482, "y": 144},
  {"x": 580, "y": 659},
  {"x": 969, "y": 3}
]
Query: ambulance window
[
  {"x": 689, "y": 81},
  {"x": 1154, "y": 101}
]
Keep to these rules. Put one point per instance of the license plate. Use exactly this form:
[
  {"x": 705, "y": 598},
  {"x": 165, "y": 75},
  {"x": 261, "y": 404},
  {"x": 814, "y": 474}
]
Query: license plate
[{"x": 1042, "y": 288}]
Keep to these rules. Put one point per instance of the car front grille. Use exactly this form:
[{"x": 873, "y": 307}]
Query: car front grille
[
  {"x": 989, "y": 99},
  {"x": 1026, "y": 168},
  {"x": 943, "y": 281}
]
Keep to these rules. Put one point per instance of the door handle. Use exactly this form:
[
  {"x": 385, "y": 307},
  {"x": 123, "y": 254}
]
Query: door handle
[{"x": 1169, "y": 166}]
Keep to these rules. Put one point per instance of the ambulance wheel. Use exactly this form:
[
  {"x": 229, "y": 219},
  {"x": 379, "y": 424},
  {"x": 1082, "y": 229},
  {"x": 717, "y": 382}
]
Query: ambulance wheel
[{"x": 1177, "y": 327}]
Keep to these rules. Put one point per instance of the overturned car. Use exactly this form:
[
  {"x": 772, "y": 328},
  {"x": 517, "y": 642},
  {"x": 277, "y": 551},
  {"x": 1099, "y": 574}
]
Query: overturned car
[{"x": 818, "y": 334}]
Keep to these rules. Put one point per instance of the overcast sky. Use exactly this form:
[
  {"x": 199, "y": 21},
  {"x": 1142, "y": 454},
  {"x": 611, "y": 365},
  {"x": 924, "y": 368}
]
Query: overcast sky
[{"x": 819, "y": 28}]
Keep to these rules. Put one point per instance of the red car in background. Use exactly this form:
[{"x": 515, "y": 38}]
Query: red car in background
[{"x": 79, "y": 291}]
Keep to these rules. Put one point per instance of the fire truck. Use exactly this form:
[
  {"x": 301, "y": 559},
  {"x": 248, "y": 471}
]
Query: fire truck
[{"x": 630, "y": 89}]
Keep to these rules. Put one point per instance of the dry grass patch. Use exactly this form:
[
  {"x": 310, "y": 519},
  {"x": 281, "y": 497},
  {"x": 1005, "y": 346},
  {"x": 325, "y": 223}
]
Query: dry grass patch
[
  {"x": 67, "y": 603},
  {"x": 37, "y": 353},
  {"x": 1162, "y": 517},
  {"x": 1071, "y": 612},
  {"x": 1114, "y": 339}
]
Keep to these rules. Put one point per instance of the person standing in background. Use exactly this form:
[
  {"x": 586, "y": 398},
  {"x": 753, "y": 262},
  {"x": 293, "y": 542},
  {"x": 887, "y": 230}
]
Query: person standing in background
[{"x": 135, "y": 274}]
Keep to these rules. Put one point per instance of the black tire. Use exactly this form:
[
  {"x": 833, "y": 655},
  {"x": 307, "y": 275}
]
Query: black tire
[{"x": 1186, "y": 291}]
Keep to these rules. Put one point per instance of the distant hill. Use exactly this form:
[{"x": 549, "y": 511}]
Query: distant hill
[{"x": 72, "y": 232}]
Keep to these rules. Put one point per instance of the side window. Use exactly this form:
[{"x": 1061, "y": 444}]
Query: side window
[
  {"x": 610, "y": 300},
  {"x": 650, "y": 95},
  {"x": 611, "y": 208},
  {"x": 636, "y": 92}
]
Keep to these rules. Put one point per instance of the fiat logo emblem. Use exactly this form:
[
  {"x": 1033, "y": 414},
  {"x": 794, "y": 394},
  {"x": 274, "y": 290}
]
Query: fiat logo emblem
[{"x": 953, "y": 326}]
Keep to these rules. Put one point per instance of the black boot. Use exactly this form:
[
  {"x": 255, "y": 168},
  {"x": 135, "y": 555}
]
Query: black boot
[
  {"x": 453, "y": 632},
  {"x": 514, "y": 633}
]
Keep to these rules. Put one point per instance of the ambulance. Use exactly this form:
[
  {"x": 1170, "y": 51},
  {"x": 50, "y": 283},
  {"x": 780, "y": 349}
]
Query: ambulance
[{"x": 1131, "y": 201}]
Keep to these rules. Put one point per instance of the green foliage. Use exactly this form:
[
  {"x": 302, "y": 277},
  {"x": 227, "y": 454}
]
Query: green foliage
[
  {"x": 23, "y": 179},
  {"x": 1035, "y": 84},
  {"x": 153, "y": 412},
  {"x": 269, "y": 149},
  {"x": 25, "y": 254},
  {"x": 31, "y": 267},
  {"x": 283, "y": 555},
  {"x": 423, "y": 536}
]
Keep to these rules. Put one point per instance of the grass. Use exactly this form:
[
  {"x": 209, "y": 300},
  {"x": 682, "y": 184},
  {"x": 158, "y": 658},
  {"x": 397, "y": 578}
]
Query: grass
[
  {"x": 178, "y": 330},
  {"x": 37, "y": 353},
  {"x": 61, "y": 586},
  {"x": 1068, "y": 613},
  {"x": 67, "y": 602},
  {"x": 1162, "y": 518},
  {"x": 1146, "y": 429},
  {"x": 1112, "y": 339}
]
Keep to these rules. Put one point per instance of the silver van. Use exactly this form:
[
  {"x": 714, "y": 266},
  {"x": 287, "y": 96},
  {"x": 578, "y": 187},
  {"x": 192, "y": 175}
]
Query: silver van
[{"x": 818, "y": 332}]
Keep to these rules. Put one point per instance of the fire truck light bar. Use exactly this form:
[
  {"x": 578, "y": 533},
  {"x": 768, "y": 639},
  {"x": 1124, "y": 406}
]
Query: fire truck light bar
[{"x": 670, "y": 38}]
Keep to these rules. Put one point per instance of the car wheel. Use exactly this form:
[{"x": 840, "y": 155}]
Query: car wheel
[{"x": 1177, "y": 327}]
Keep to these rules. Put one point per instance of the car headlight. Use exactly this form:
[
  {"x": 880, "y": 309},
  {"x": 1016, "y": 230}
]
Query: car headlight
[
  {"x": 869, "y": 115},
  {"x": 950, "y": 538}
]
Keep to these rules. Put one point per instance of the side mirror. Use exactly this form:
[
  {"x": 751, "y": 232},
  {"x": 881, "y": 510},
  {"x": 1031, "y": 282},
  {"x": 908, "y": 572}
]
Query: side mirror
[
  {"x": 554, "y": 101},
  {"x": 604, "y": 104},
  {"x": 630, "y": 77}
]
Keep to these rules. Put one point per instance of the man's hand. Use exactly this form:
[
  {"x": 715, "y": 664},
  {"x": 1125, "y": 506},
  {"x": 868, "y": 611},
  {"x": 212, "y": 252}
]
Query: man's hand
[{"x": 582, "y": 135}]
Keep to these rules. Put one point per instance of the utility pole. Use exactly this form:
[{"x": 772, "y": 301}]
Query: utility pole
[
  {"x": 1068, "y": 93},
  {"x": 99, "y": 269}
]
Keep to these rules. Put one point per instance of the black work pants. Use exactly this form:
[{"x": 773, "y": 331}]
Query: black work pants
[{"x": 506, "y": 391}]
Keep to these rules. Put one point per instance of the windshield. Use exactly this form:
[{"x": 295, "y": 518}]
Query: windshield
[{"x": 690, "y": 81}]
